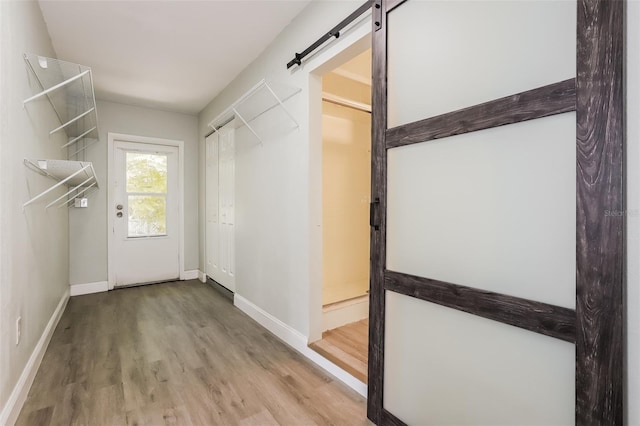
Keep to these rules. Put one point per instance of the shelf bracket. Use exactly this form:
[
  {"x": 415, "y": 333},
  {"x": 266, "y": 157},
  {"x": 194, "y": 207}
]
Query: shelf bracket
[
  {"x": 281, "y": 104},
  {"x": 247, "y": 124}
]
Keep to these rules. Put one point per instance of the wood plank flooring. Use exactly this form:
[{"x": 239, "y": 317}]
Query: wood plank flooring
[
  {"x": 347, "y": 347},
  {"x": 178, "y": 353}
]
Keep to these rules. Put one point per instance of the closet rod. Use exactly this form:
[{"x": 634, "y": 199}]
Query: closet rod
[
  {"x": 339, "y": 100},
  {"x": 334, "y": 32}
]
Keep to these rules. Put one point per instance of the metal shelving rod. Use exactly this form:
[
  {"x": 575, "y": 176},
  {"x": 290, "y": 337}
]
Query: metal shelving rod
[
  {"x": 232, "y": 111},
  {"x": 56, "y": 87},
  {"x": 73, "y": 120},
  {"x": 69, "y": 192},
  {"x": 247, "y": 124},
  {"x": 76, "y": 196},
  {"x": 241, "y": 99},
  {"x": 62, "y": 182},
  {"x": 281, "y": 104},
  {"x": 84, "y": 147},
  {"x": 78, "y": 137},
  {"x": 339, "y": 100}
]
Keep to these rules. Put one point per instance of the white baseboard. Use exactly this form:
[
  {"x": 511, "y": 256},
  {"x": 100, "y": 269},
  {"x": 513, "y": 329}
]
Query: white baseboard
[
  {"x": 11, "y": 410},
  {"x": 89, "y": 288},
  {"x": 298, "y": 342},
  {"x": 202, "y": 276},
  {"x": 191, "y": 275},
  {"x": 344, "y": 313}
]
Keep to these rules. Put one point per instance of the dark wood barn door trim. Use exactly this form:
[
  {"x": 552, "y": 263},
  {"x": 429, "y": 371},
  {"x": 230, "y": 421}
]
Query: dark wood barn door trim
[
  {"x": 379, "y": 230},
  {"x": 599, "y": 236},
  {"x": 596, "y": 326}
]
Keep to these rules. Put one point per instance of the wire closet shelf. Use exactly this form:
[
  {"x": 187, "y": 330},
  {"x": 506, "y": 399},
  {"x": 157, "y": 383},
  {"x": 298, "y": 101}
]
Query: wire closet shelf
[
  {"x": 77, "y": 175},
  {"x": 260, "y": 99},
  {"x": 68, "y": 87}
]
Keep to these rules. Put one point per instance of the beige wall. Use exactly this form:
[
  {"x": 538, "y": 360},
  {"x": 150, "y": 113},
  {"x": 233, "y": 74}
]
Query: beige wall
[
  {"x": 346, "y": 189},
  {"x": 88, "y": 227},
  {"x": 339, "y": 85},
  {"x": 34, "y": 242}
]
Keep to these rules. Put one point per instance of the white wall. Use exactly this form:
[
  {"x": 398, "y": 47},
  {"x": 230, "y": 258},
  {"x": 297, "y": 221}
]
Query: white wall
[
  {"x": 633, "y": 209},
  {"x": 88, "y": 226},
  {"x": 34, "y": 243},
  {"x": 278, "y": 185}
]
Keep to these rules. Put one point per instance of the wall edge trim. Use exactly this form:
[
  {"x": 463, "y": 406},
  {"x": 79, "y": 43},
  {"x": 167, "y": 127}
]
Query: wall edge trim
[
  {"x": 192, "y": 274},
  {"x": 89, "y": 288},
  {"x": 297, "y": 341}
]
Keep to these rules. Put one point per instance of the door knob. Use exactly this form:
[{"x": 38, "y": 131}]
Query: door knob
[
  {"x": 119, "y": 214},
  {"x": 119, "y": 207}
]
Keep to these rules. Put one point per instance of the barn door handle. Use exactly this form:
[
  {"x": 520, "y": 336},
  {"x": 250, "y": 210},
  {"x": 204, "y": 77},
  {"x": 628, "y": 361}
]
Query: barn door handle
[{"x": 373, "y": 208}]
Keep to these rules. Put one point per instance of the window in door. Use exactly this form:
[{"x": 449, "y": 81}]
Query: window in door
[{"x": 146, "y": 194}]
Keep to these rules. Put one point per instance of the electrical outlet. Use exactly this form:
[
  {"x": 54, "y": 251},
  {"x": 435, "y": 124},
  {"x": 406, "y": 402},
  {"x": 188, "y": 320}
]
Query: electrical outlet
[{"x": 18, "y": 330}]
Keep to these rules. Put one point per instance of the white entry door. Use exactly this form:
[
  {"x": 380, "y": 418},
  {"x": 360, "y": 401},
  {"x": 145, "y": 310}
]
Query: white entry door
[
  {"x": 145, "y": 209},
  {"x": 220, "y": 206}
]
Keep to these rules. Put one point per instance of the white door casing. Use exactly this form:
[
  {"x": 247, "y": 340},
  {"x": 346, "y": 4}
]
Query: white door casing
[
  {"x": 220, "y": 214},
  {"x": 212, "y": 223},
  {"x": 144, "y": 250}
]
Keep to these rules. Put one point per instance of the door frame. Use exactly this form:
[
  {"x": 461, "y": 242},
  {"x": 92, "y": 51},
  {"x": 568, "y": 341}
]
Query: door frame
[
  {"x": 356, "y": 40},
  {"x": 597, "y": 324},
  {"x": 111, "y": 139},
  {"x": 206, "y": 186}
]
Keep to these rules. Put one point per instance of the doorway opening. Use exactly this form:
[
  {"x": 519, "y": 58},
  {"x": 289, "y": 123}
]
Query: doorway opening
[{"x": 346, "y": 189}]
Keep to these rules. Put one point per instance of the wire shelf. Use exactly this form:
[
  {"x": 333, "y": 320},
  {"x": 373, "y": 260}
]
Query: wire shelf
[
  {"x": 263, "y": 97},
  {"x": 69, "y": 89},
  {"x": 77, "y": 175}
]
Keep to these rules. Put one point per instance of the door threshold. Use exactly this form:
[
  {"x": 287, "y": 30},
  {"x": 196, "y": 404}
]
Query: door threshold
[
  {"x": 347, "y": 348},
  {"x": 118, "y": 287}
]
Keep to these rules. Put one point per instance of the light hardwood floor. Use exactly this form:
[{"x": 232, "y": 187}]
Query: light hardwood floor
[
  {"x": 178, "y": 353},
  {"x": 347, "y": 347}
]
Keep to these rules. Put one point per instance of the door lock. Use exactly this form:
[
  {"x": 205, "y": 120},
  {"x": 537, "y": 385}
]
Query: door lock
[
  {"x": 119, "y": 214},
  {"x": 119, "y": 207}
]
